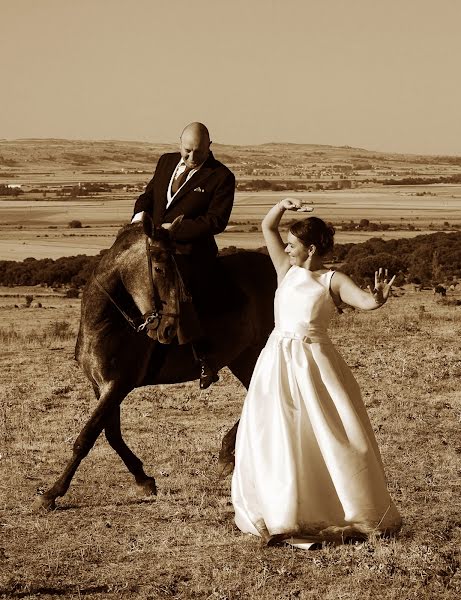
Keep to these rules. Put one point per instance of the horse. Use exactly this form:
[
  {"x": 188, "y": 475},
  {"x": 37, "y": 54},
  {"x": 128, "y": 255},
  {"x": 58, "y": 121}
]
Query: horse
[{"x": 127, "y": 338}]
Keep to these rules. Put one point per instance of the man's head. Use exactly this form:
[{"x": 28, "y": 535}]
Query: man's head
[{"x": 195, "y": 144}]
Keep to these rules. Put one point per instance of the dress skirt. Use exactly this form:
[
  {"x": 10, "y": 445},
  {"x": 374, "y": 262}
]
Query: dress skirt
[{"x": 308, "y": 467}]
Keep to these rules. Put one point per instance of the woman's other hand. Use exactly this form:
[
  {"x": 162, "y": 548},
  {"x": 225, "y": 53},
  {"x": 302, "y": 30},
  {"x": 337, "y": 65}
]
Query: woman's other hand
[
  {"x": 349, "y": 292},
  {"x": 382, "y": 287}
]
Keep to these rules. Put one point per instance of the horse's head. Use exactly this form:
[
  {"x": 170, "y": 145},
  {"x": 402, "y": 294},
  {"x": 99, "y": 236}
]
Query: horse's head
[{"x": 151, "y": 278}]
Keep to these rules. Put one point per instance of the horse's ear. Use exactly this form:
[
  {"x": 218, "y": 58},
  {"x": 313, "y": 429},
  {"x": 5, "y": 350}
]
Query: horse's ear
[
  {"x": 147, "y": 225},
  {"x": 175, "y": 224}
]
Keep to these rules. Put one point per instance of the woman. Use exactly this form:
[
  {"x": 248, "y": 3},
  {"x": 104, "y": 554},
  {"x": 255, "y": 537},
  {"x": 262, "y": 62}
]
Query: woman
[{"x": 307, "y": 467}]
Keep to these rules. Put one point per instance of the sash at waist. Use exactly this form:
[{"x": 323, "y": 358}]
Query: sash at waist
[{"x": 311, "y": 337}]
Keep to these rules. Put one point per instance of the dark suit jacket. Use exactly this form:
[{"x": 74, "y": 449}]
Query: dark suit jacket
[{"x": 205, "y": 200}]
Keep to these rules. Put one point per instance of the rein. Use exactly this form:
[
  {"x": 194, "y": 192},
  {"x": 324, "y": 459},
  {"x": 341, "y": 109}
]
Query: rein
[
  {"x": 151, "y": 317},
  {"x": 156, "y": 314}
]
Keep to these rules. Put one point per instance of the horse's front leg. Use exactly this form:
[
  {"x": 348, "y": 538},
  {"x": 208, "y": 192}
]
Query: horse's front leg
[
  {"x": 146, "y": 485},
  {"x": 110, "y": 398}
]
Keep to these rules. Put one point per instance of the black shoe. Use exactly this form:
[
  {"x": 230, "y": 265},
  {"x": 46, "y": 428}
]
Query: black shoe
[{"x": 207, "y": 375}]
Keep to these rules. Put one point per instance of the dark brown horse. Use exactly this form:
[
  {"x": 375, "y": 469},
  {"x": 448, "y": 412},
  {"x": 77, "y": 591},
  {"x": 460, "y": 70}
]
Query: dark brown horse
[{"x": 128, "y": 327}]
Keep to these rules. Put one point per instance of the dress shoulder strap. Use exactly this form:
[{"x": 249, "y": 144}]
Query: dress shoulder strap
[
  {"x": 336, "y": 301},
  {"x": 328, "y": 275}
]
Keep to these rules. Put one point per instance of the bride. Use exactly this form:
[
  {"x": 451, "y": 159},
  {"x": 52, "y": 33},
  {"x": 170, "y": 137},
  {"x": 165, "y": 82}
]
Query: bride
[{"x": 307, "y": 465}]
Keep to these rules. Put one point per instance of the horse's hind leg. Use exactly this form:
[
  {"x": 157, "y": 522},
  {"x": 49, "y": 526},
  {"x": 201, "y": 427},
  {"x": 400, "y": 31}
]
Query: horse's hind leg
[
  {"x": 146, "y": 485},
  {"x": 242, "y": 367},
  {"x": 110, "y": 399},
  {"x": 226, "y": 459}
]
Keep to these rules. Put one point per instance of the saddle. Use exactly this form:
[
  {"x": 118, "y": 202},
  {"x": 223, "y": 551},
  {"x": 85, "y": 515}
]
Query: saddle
[{"x": 218, "y": 292}]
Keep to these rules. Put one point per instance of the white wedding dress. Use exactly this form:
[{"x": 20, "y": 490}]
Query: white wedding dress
[{"x": 307, "y": 466}]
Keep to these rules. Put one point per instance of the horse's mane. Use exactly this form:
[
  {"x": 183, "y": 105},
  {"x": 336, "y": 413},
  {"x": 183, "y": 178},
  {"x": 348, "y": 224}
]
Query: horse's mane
[
  {"x": 128, "y": 234},
  {"x": 126, "y": 237},
  {"x": 126, "y": 228}
]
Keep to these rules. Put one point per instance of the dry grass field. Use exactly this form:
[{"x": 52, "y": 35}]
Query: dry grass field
[{"x": 104, "y": 542}]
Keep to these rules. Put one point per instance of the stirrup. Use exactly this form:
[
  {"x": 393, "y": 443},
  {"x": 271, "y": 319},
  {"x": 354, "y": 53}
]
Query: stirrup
[{"x": 207, "y": 375}]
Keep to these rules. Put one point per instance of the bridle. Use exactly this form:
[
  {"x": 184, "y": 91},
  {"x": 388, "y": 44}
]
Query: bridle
[{"x": 152, "y": 318}]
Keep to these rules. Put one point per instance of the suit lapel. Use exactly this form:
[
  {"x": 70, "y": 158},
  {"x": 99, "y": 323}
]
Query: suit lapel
[
  {"x": 204, "y": 172},
  {"x": 164, "y": 182},
  {"x": 169, "y": 169}
]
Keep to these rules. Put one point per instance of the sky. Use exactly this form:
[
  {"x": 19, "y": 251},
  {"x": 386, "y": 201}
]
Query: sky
[{"x": 365, "y": 73}]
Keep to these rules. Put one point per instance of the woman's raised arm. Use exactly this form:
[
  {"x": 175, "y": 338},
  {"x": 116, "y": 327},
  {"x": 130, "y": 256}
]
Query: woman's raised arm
[{"x": 270, "y": 227}]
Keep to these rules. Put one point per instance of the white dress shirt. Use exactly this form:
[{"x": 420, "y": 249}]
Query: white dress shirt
[{"x": 180, "y": 168}]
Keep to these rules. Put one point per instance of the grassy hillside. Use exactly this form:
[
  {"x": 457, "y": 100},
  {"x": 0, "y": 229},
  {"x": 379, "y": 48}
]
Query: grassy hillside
[{"x": 265, "y": 159}]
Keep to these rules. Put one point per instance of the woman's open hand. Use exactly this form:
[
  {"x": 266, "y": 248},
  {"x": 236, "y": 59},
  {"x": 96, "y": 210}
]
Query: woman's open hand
[
  {"x": 294, "y": 204},
  {"x": 382, "y": 287}
]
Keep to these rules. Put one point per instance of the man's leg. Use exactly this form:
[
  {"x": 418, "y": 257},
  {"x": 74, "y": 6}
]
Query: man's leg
[
  {"x": 208, "y": 375},
  {"x": 190, "y": 329}
]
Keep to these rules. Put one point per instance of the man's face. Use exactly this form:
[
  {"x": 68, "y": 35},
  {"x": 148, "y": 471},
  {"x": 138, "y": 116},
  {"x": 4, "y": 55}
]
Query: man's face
[{"x": 194, "y": 149}]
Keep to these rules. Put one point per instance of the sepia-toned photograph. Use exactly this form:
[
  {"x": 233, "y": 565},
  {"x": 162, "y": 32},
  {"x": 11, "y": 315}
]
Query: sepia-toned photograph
[{"x": 230, "y": 300}]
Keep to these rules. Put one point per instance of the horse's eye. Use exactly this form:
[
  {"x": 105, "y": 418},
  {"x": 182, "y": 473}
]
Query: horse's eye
[{"x": 158, "y": 269}]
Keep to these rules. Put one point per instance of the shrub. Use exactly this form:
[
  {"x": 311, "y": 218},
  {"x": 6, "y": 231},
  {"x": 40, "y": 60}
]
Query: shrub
[
  {"x": 75, "y": 224},
  {"x": 72, "y": 293}
]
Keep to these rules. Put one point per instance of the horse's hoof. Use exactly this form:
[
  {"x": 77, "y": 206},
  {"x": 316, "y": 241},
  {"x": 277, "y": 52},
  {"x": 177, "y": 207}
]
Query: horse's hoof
[
  {"x": 147, "y": 487},
  {"x": 225, "y": 468},
  {"x": 43, "y": 503}
]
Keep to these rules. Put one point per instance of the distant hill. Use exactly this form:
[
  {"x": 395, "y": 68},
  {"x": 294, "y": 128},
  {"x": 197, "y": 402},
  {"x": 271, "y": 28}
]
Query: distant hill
[{"x": 276, "y": 158}]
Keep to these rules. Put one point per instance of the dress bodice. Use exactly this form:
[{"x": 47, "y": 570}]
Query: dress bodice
[{"x": 303, "y": 304}]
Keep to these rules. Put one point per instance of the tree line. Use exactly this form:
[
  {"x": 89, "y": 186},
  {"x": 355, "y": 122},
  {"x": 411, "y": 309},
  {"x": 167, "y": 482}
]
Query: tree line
[
  {"x": 427, "y": 259},
  {"x": 71, "y": 271},
  {"x": 453, "y": 179},
  {"x": 292, "y": 185}
]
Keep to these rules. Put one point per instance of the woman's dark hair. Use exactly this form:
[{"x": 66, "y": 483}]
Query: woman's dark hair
[{"x": 314, "y": 231}]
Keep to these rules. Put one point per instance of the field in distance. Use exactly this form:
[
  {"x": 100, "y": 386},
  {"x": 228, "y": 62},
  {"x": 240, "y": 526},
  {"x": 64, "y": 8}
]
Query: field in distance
[
  {"x": 49, "y": 179},
  {"x": 40, "y": 227}
]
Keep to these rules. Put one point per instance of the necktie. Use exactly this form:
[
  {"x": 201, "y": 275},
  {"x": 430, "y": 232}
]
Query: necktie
[{"x": 177, "y": 183}]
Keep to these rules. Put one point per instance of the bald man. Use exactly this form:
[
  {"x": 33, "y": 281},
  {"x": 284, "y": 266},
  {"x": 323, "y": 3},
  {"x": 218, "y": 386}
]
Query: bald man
[{"x": 194, "y": 184}]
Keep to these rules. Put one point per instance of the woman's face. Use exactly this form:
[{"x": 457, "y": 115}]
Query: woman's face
[{"x": 296, "y": 250}]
